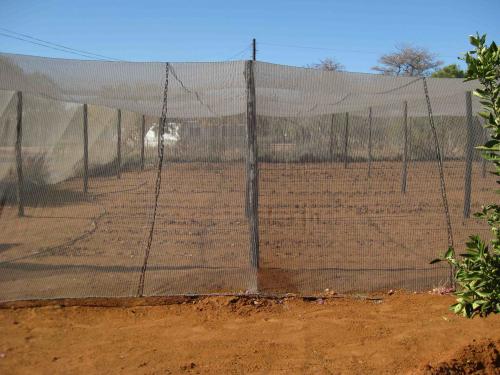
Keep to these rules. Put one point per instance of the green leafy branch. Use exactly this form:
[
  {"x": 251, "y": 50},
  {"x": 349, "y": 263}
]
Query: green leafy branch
[{"x": 477, "y": 271}]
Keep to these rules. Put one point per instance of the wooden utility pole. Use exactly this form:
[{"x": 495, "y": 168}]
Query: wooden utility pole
[
  {"x": 370, "y": 142},
  {"x": 85, "y": 150},
  {"x": 404, "y": 172},
  {"x": 119, "y": 144},
  {"x": 19, "y": 157},
  {"x": 143, "y": 135},
  {"x": 254, "y": 49},
  {"x": 252, "y": 177},
  {"x": 469, "y": 153}
]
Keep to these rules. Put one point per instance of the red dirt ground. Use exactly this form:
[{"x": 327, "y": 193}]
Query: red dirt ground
[
  {"x": 481, "y": 357},
  {"x": 398, "y": 334}
]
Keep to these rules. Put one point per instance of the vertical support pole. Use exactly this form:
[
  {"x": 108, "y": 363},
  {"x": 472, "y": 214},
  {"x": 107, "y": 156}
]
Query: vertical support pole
[
  {"x": 346, "y": 138},
  {"x": 164, "y": 111},
  {"x": 469, "y": 153},
  {"x": 85, "y": 150},
  {"x": 223, "y": 136},
  {"x": 370, "y": 142},
  {"x": 119, "y": 144},
  {"x": 404, "y": 173},
  {"x": 212, "y": 134},
  {"x": 254, "y": 49},
  {"x": 331, "y": 138},
  {"x": 252, "y": 183},
  {"x": 410, "y": 145},
  {"x": 19, "y": 157},
  {"x": 143, "y": 135}
]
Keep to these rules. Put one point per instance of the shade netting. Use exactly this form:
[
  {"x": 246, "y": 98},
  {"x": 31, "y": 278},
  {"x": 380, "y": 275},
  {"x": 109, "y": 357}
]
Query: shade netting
[{"x": 362, "y": 179}]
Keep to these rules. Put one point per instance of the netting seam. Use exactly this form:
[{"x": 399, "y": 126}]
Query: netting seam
[
  {"x": 397, "y": 88},
  {"x": 195, "y": 93},
  {"x": 135, "y": 188},
  {"x": 345, "y": 97},
  {"x": 140, "y": 289},
  {"x": 442, "y": 183},
  {"x": 71, "y": 242}
]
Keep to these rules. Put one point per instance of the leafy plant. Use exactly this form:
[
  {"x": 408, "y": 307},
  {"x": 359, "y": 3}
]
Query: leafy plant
[
  {"x": 449, "y": 71},
  {"x": 477, "y": 271}
]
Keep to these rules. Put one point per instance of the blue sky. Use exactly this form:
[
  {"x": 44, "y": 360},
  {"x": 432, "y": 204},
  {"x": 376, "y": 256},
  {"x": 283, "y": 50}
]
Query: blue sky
[{"x": 353, "y": 32}]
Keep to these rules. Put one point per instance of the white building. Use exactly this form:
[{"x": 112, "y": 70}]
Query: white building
[{"x": 169, "y": 139}]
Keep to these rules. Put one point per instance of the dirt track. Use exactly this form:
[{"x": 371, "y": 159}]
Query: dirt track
[
  {"x": 398, "y": 334},
  {"x": 321, "y": 226}
]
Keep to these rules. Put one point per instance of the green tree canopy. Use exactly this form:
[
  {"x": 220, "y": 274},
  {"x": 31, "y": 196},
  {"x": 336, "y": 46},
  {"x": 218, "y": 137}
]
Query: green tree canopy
[{"x": 449, "y": 71}]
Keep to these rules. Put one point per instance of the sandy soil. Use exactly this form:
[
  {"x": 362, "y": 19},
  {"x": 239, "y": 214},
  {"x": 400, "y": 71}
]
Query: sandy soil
[
  {"x": 321, "y": 226},
  {"x": 479, "y": 357},
  {"x": 397, "y": 334}
]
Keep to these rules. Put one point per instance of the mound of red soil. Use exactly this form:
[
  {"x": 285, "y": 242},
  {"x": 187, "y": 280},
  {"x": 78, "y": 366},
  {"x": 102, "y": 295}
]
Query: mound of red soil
[{"x": 478, "y": 358}]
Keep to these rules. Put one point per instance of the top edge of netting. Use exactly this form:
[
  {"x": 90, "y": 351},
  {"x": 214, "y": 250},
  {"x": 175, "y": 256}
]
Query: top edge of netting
[
  {"x": 303, "y": 68},
  {"x": 218, "y": 89}
]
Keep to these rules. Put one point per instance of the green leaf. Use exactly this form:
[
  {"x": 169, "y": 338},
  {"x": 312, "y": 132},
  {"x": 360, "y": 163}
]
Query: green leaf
[
  {"x": 449, "y": 253},
  {"x": 477, "y": 270},
  {"x": 456, "y": 308}
]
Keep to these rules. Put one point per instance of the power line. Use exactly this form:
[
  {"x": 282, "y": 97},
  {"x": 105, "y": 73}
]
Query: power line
[
  {"x": 55, "y": 46},
  {"x": 318, "y": 48},
  {"x": 239, "y": 53},
  {"x": 331, "y": 49},
  {"x": 58, "y": 45},
  {"x": 44, "y": 45}
]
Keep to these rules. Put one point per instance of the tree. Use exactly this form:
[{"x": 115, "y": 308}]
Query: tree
[
  {"x": 449, "y": 71},
  {"x": 478, "y": 269},
  {"x": 328, "y": 64},
  {"x": 408, "y": 61}
]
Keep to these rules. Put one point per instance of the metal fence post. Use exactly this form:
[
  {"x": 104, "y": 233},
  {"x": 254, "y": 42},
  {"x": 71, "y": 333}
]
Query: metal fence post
[
  {"x": 85, "y": 150},
  {"x": 331, "y": 138},
  {"x": 143, "y": 135},
  {"x": 483, "y": 160},
  {"x": 404, "y": 173},
  {"x": 119, "y": 144},
  {"x": 370, "y": 142},
  {"x": 19, "y": 157},
  {"x": 346, "y": 139}
]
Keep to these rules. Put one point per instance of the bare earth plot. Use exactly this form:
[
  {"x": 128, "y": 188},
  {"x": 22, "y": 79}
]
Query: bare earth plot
[
  {"x": 398, "y": 334},
  {"x": 321, "y": 226}
]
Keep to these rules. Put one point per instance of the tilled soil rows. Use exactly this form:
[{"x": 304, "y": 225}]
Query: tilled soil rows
[{"x": 321, "y": 226}]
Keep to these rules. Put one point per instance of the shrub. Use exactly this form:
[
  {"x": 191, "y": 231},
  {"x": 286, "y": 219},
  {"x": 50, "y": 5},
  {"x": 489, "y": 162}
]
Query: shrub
[{"x": 478, "y": 269}]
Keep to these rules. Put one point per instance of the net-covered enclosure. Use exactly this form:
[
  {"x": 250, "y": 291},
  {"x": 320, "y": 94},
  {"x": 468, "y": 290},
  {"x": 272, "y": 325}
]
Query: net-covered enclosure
[{"x": 125, "y": 179}]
